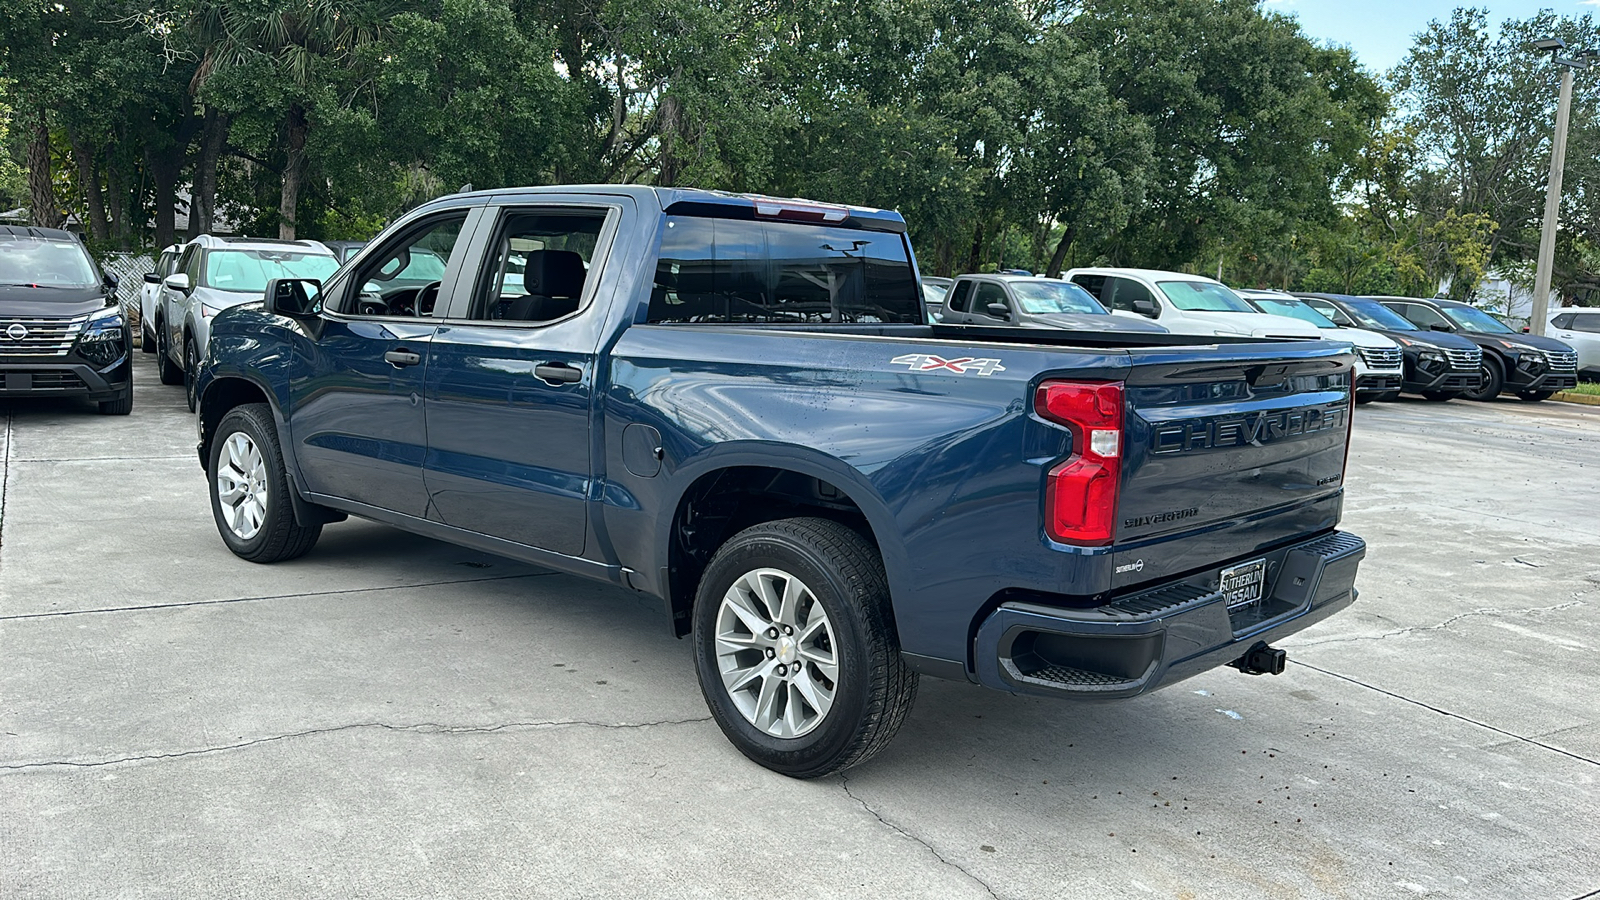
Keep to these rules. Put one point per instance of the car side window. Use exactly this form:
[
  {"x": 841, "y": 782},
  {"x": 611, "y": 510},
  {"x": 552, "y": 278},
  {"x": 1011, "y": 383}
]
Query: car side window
[
  {"x": 1424, "y": 317},
  {"x": 1334, "y": 314},
  {"x": 167, "y": 263},
  {"x": 404, "y": 278},
  {"x": 1094, "y": 284},
  {"x": 1562, "y": 321},
  {"x": 539, "y": 265},
  {"x": 959, "y": 295},
  {"x": 1589, "y": 324},
  {"x": 189, "y": 264},
  {"x": 1124, "y": 292},
  {"x": 988, "y": 292}
]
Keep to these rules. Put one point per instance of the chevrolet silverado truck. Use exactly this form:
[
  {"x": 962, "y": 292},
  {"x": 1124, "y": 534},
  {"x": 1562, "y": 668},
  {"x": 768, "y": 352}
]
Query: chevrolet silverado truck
[{"x": 734, "y": 404}]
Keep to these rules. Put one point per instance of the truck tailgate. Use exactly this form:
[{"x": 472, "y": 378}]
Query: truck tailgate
[{"x": 1246, "y": 444}]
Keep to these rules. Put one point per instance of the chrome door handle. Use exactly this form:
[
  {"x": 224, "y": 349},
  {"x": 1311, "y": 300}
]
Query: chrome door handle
[
  {"x": 557, "y": 373},
  {"x": 402, "y": 358}
]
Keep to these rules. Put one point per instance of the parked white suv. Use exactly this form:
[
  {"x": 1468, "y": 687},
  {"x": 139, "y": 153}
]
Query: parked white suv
[
  {"x": 213, "y": 274},
  {"x": 1185, "y": 304},
  {"x": 1380, "y": 364},
  {"x": 1579, "y": 328},
  {"x": 150, "y": 296}
]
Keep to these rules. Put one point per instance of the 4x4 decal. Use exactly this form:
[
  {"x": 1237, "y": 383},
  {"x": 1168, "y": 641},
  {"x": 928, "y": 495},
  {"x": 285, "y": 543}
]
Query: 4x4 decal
[{"x": 926, "y": 362}]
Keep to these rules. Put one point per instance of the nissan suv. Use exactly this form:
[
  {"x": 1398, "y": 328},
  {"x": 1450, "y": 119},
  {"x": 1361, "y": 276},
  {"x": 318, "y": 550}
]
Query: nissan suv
[
  {"x": 62, "y": 331},
  {"x": 1438, "y": 365},
  {"x": 212, "y": 274},
  {"x": 1528, "y": 365}
]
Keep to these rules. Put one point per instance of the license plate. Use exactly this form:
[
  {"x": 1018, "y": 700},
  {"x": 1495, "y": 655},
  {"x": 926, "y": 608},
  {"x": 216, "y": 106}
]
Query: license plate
[{"x": 1241, "y": 585}]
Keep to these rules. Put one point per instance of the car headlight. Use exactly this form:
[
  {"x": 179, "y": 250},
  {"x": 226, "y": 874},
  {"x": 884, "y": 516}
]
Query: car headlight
[
  {"x": 1431, "y": 356},
  {"x": 1527, "y": 357},
  {"x": 101, "y": 342}
]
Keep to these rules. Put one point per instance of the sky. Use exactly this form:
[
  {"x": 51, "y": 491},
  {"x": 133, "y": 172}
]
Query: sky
[{"x": 1380, "y": 31}]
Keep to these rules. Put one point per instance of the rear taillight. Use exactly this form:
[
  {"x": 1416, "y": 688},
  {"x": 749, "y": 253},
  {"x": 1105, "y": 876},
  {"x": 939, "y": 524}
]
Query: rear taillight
[{"x": 1080, "y": 504}]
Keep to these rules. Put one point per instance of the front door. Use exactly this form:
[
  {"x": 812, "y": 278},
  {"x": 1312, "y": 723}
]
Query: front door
[
  {"x": 359, "y": 427},
  {"x": 510, "y": 382}
]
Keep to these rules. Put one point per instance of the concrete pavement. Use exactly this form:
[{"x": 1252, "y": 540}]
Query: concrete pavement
[{"x": 394, "y": 717}]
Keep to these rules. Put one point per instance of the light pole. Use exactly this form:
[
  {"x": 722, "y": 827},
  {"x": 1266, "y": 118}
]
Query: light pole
[{"x": 1552, "y": 196}]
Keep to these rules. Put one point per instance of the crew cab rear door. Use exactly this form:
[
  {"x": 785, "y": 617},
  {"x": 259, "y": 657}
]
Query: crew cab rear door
[
  {"x": 1235, "y": 448},
  {"x": 510, "y": 380}
]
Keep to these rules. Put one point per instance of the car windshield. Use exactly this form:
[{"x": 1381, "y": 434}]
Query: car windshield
[
  {"x": 1203, "y": 296},
  {"x": 1373, "y": 314},
  {"x": 1475, "y": 320},
  {"x": 248, "y": 271},
  {"x": 1294, "y": 309},
  {"x": 46, "y": 264},
  {"x": 1045, "y": 297},
  {"x": 934, "y": 293}
]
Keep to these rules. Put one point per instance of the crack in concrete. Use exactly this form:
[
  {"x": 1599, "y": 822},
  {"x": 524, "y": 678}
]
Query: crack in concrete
[
  {"x": 1416, "y": 629},
  {"x": 353, "y": 590},
  {"x": 5, "y": 477},
  {"x": 415, "y": 728},
  {"x": 1589, "y": 896},
  {"x": 844, "y": 782},
  {"x": 1445, "y": 712}
]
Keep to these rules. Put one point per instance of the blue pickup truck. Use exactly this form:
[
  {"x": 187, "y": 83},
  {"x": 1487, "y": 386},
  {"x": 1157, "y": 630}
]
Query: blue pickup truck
[{"x": 733, "y": 404}]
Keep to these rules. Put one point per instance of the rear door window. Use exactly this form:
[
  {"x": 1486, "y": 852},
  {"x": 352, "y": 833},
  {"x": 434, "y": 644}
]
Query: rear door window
[
  {"x": 729, "y": 271},
  {"x": 1095, "y": 285},
  {"x": 1589, "y": 323},
  {"x": 960, "y": 295}
]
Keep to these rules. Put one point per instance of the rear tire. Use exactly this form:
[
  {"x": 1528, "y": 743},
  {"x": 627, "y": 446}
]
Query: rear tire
[
  {"x": 147, "y": 341},
  {"x": 795, "y": 647},
  {"x": 250, "y": 489},
  {"x": 1535, "y": 396},
  {"x": 1441, "y": 396},
  {"x": 1491, "y": 382}
]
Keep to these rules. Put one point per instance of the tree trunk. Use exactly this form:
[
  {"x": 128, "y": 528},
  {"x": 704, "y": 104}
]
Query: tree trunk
[
  {"x": 89, "y": 179},
  {"x": 1060, "y": 256},
  {"x": 41, "y": 189},
  {"x": 117, "y": 197},
  {"x": 293, "y": 171},
  {"x": 164, "y": 177},
  {"x": 203, "y": 205},
  {"x": 975, "y": 254},
  {"x": 670, "y": 164}
]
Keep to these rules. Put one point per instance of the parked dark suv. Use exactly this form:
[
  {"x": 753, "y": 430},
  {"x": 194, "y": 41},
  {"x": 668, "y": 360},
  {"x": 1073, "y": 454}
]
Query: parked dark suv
[
  {"x": 1531, "y": 366},
  {"x": 62, "y": 332},
  {"x": 1439, "y": 366}
]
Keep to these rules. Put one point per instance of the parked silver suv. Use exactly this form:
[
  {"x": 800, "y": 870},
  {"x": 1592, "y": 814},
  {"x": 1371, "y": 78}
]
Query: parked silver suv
[
  {"x": 212, "y": 274},
  {"x": 1027, "y": 301}
]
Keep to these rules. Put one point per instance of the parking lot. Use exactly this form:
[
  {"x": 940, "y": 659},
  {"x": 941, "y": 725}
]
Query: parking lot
[{"x": 394, "y": 717}]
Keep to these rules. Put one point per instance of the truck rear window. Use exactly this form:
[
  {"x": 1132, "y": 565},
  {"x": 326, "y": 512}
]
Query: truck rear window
[{"x": 732, "y": 271}]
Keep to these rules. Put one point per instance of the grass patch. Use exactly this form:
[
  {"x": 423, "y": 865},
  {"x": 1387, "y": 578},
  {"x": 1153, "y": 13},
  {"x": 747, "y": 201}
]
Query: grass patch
[{"x": 1587, "y": 387}]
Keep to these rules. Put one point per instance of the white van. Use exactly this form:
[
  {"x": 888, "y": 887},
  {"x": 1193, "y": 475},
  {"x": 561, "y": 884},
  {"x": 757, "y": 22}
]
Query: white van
[{"x": 1185, "y": 304}]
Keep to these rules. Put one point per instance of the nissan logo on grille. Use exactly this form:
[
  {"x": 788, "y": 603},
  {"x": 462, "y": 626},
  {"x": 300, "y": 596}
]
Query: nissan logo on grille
[
  {"x": 1250, "y": 429},
  {"x": 17, "y": 331}
]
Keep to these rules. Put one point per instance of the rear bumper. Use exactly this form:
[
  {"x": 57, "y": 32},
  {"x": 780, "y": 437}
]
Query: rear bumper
[
  {"x": 1162, "y": 634},
  {"x": 32, "y": 378}
]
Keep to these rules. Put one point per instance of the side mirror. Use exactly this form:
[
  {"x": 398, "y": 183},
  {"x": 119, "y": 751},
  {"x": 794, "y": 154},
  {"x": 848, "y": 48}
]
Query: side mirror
[
  {"x": 177, "y": 281},
  {"x": 110, "y": 281},
  {"x": 297, "y": 298},
  {"x": 1000, "y": 311},
  {"x": 1440, "y": 326},
  {"x": 1145, "y": 308},
  {"x": 152, "y": 278}
]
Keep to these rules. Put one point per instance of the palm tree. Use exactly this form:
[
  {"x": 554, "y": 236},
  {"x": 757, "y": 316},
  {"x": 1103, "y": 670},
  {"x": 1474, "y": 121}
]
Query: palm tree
[{"x": 303, "y": 42}]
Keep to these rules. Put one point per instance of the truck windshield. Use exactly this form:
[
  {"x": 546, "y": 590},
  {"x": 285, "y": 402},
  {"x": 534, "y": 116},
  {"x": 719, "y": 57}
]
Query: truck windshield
[
  {"x": 1045, "y": 297},
  {"x": 1372, "y": 314},
  {"x": 46, "y": 264},
  {"x": 1288, "y": 306},
  {"x": 250, "y": 270},
  {"x": 730, "y": 271},
  {"x": 1475, "y": 320},
  {"x": 1203, "y": 296}
]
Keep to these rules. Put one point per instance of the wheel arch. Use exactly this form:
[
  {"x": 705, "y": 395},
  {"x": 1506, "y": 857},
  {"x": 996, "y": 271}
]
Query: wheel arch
[{"x": 741, "y": 489}]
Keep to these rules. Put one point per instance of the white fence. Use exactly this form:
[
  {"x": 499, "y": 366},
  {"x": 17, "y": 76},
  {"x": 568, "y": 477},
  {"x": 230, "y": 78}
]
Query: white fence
[{"x": 130, "y": 269}]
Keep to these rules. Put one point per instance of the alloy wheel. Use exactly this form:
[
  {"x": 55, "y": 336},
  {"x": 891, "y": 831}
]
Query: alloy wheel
[
  {"x": 775, "y": 653},
  {"x": 242, "y": 485}
]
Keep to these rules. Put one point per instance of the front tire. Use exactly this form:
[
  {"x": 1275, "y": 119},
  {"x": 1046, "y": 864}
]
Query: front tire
[
  {"x": 250, "y": 489},
  {"x": 1535, "y": 396},
  {"x": 191, "y": 363},
  {"x": 171, "y": 373},
  {"x": 795, "y": 648},
  {"x": 1491, "y": 382},
  {"x": 147, "y": 341}
]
